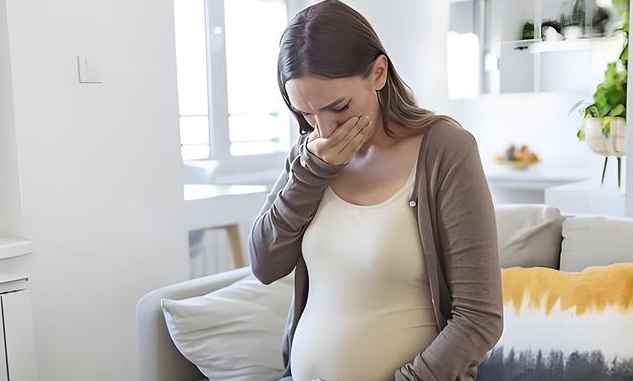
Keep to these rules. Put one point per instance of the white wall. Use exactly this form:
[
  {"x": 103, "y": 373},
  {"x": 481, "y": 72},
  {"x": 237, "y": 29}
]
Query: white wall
[
  {"x": 539, "y": 120},
  {"x": 100, "y": 175}
]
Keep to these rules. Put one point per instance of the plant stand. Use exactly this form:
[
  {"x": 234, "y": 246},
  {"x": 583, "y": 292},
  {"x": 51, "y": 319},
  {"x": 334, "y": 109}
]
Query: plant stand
[
  {"x": 604, "y": 170},
  {"x": 612, "y": 145}
]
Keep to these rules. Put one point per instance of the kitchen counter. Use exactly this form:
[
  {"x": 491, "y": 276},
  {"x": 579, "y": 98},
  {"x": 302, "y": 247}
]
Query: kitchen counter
[
  {"x": 512, "y": 185},
  {"x": 535, "y": 176}
]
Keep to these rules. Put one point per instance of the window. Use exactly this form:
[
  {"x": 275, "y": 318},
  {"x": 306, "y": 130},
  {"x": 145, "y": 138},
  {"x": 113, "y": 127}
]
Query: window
[
  {"x": 229, "y": 102},
  {"x": 463, "y": 65}
]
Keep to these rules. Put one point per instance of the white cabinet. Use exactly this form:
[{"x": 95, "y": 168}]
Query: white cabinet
[{"x": 17, "y": 342}]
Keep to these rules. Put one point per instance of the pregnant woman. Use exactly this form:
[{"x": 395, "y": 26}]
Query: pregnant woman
[{"x": 383, "y": 213}]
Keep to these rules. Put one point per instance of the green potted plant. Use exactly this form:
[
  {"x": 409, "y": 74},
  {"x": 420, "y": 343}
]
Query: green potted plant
[
  {"x": 609, "y": 98},
  {"x": 603, "y": 124}
]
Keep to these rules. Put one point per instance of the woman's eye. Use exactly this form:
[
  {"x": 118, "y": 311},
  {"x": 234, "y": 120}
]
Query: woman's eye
[{"x": 342, "y": 108}]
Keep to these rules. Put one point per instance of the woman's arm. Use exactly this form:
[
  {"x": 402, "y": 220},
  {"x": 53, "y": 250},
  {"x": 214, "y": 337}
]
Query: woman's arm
[
  {"x": 466, "y": 228},
  {"x": 276, "y": 234}
]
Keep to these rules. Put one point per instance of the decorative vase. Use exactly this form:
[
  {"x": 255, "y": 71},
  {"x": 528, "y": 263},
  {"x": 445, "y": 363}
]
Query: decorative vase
[{"x": 612, "y": 145}]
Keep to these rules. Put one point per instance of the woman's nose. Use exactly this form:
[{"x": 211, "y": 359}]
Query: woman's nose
[{"x": 325, "y": 125}]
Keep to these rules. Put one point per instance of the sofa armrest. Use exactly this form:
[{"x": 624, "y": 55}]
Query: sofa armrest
[{"x": 159, "y": 359}]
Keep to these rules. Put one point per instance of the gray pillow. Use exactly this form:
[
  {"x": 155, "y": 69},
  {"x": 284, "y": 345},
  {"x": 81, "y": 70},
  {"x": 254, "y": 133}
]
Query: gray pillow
[
  {"x": 596, "y": 241},
  {"x": 528, "y": 235}
]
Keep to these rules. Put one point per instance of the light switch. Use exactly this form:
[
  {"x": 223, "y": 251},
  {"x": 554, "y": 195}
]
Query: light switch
[{"x": 87, "y": 71}]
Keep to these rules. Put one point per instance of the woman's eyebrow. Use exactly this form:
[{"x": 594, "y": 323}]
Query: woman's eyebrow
[
  {"x": 331, "y": 105},
  {"x": 328, "y": 106}
]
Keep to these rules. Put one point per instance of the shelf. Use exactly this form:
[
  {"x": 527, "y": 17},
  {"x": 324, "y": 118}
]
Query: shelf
[
  {"x": 520, "y": 44},
  {"x": 540, "y": 46},
  {"x": 574, "y": 45},
  {"x": 14, "y": 246}
]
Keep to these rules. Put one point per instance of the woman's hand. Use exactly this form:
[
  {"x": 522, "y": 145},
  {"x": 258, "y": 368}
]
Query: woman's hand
[{"x": 340, "y": 147}]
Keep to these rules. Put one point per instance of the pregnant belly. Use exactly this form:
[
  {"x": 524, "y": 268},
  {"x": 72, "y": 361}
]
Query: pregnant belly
[{"x": 353, "y": 347}]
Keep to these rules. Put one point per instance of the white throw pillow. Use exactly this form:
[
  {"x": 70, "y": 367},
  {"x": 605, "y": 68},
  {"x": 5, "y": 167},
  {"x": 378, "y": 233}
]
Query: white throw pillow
[
  {"x": 528, "y": 235},
  {"x": 234, "y": 333},
  {"x": 596, "y": 241}
]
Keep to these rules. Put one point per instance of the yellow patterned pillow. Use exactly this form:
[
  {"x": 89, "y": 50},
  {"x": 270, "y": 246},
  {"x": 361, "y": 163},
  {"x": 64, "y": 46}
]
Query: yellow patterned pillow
[{"x": 564, "y": 325}]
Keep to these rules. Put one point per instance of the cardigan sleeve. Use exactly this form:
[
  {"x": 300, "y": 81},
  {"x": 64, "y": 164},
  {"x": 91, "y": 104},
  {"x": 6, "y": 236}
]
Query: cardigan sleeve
[
  {"x": 276, "y": 234},
  {"x": 464, "y": 230}
]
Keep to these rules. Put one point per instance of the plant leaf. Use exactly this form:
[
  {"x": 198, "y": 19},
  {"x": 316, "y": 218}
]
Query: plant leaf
[
  {"x": 618, "y": 110},
  {"x": 575, "y": 106},
  {"x": 606, "y": 126}
]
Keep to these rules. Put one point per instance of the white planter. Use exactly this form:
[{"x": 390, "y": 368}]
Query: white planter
[{"x": 614, "y": 145}]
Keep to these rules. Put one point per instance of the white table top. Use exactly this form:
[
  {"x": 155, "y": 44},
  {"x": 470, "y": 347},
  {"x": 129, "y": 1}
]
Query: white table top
[
  {"x": 202, "y": 191},
  {"x": 209, "y": 205}
]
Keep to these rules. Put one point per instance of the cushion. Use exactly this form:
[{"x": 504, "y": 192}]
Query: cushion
[
  {"x": 561, "y": 325},
  {"x": 594, "y": 241},
  {"x": 528, "y": 235},
  {"x": 233, "y": 333}
]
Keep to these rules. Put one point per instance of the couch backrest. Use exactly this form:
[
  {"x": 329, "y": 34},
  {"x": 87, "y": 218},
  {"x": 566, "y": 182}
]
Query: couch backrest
[
  {"x": 528, "y": 235},
  {"x": 595, "y": 241},
  {"x": 532, "y": 235}
]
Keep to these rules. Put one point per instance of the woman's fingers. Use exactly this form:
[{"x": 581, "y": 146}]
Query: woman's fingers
[
  {"x": 345, "y": 141},
  {"x": 353, "y": 143},
  {"x": 350, "y": 127}
]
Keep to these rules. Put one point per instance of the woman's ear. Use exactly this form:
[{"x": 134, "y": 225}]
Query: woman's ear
[{"x": 379, "y": 72}]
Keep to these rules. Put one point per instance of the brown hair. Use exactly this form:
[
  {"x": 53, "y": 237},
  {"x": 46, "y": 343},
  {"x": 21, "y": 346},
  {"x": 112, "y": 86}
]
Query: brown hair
[{"x": 332, "y": 40}]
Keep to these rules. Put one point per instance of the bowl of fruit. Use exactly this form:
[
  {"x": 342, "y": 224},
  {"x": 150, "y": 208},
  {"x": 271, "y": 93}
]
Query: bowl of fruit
[{"x": 517, "y": 158}]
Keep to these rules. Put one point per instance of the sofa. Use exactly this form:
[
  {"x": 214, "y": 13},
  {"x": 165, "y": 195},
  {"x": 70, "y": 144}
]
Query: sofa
[{"x": 531, "y": 237}]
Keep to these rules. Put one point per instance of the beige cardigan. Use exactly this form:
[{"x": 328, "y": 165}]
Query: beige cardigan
[{"x": 458, "y": 233}]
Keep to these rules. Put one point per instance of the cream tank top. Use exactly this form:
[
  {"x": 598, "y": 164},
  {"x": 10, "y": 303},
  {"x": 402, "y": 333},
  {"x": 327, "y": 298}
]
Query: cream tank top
[{"x": 369, "y": 308}]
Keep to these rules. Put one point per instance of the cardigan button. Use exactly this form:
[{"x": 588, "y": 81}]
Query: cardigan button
[{"x": 412, "y": 203}]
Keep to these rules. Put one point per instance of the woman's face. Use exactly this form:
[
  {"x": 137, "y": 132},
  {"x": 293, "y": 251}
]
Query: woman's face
[{"x": 328, "y": 103}]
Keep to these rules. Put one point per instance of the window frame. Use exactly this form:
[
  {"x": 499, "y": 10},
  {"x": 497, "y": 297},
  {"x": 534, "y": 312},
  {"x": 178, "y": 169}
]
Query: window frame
[{"x": 226, "y": 166}]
